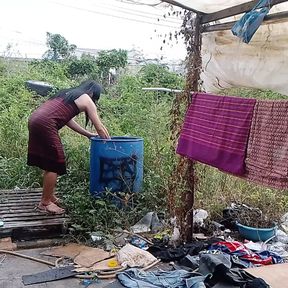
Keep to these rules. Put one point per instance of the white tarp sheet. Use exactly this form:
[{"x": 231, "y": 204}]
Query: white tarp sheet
[
  {"x": 227, "y": 62},
  {"x": 263, "y": 63}
]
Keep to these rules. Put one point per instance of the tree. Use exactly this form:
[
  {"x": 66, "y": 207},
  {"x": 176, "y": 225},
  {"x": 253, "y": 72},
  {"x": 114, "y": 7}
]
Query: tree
[
  {"x": 86, "y": 65},
  {"x": 59, "y": 47},
  {"x": 111, "y": 59}
]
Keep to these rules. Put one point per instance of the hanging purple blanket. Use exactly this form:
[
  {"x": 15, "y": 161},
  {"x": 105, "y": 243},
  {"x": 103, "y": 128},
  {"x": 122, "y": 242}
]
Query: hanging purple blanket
[{"x": 216, "y": 130}]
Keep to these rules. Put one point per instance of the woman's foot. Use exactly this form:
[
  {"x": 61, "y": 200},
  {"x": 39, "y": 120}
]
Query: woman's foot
[{"x": 51, "y": 208}]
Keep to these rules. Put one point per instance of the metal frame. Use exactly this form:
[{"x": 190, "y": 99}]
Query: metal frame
[{"x": 207, "y": 18}]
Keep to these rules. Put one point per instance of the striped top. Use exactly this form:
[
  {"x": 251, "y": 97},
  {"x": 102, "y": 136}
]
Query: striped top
[
  {"x": 45, "y": 149},
  {"x": 54, "y": 113}
]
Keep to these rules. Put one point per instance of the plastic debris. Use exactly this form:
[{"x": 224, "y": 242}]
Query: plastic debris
[
  {"x": 281, "y": 236},
  {"x": 113, "y": 263},
  {"x": 140, "y": 243},
  {"x": 134, "y": 257},
  {"x": 199, "y": 215},
  {"x": 150, "y": 222}
]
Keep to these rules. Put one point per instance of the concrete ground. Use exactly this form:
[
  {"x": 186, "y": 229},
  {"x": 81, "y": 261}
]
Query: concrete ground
[{"x": 12, "y": 268}]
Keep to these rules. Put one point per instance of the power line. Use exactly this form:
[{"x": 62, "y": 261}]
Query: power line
[
  {"x": 115, "y": 16},
  {"x": 141, "y": 12},
  {"x": 143, "y": 16}
]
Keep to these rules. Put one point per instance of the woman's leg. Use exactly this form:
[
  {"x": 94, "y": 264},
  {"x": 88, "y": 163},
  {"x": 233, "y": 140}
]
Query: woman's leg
[{"x": 49, "y": 184}]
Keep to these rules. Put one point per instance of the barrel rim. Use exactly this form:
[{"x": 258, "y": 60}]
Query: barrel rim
[{"x": 118, "y": 139}]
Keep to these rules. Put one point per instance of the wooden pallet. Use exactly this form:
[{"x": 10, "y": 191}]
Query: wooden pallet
[{"x": 17, "y": 211}]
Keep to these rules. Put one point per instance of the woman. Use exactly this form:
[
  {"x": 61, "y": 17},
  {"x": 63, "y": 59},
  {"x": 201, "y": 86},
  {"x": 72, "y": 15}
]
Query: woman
[{"x": 45, "y": 148}]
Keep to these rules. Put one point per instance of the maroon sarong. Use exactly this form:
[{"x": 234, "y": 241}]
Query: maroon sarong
[
  {"x": 44, "y": 147},
  {"x": 216, "y": 130},
  {"x": 267, "y": 154}
]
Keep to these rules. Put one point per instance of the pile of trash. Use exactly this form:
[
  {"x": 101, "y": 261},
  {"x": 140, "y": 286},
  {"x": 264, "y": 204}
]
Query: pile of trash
[{"x": 150, "y": 255}]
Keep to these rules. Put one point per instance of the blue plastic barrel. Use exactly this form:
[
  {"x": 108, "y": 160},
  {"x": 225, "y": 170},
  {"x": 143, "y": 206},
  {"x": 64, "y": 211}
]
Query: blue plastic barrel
[{"x": 116, "y": 165}]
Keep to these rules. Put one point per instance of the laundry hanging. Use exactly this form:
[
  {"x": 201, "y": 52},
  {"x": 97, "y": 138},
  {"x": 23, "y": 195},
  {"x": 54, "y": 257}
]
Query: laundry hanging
[
  {"x": 216, "y": 130},
  {"x": 249, "y": 23},
  {"x": 267, "y": 152}
]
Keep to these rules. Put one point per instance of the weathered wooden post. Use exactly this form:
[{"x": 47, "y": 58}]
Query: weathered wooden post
[{"x": 182, "y": 188}]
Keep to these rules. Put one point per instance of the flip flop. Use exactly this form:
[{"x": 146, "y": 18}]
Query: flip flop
[{"x": 49, "y": 209}]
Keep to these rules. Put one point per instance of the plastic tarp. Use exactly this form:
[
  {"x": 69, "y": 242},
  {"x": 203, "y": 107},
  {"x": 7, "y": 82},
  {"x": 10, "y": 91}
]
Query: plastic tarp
[
  {"x": 210, "y": 6},
  {"x": 263, "y": 63}
]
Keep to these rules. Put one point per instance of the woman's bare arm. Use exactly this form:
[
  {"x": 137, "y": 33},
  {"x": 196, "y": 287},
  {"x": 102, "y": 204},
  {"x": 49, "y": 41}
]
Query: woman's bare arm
[
  {"x": 77, "y": 128},
  {"x": 85, "y": 103}
]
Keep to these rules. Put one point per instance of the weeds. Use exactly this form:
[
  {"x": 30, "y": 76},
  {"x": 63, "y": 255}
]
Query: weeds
[{"x": 126, "y": 110}]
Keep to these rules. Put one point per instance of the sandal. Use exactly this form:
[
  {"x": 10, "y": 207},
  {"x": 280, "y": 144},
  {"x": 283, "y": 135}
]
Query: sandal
[
  {"x": 51, "y": 208},
  {"x": 57, "y": 201}
]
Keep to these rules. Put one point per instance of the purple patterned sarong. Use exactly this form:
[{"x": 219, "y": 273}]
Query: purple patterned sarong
[{"x": 216, "y": 130}]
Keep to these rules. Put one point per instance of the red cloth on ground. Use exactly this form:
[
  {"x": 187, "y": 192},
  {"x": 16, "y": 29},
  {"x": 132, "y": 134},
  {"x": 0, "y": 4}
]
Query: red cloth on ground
[{"x": 45, "y": 149}]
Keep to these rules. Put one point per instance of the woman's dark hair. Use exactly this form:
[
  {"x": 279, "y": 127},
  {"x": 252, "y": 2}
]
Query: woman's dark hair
[{"x": 88, "y": 87}]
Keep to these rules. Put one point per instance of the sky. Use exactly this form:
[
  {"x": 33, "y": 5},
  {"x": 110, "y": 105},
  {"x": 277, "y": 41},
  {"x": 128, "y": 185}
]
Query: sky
[{"x": 94, "y": 24}]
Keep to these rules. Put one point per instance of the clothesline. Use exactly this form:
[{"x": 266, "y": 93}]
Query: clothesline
[
  {"x": 241, "y": 136},
  {"x": 160, "y": 89}
]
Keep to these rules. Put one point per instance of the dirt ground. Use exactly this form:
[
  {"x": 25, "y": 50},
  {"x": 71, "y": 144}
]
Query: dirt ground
[{"x": 12, "y": 268}]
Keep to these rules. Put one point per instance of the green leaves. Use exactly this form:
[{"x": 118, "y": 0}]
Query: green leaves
[{"x": 59, "y": 47}]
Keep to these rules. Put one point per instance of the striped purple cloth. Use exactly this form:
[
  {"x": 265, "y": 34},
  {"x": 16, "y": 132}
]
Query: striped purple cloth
[{"x": 216, "y": 130}]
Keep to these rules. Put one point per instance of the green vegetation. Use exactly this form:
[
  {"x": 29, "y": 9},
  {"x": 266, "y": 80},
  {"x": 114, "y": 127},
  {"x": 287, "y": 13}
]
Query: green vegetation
[{"x": 126, "y": 110}]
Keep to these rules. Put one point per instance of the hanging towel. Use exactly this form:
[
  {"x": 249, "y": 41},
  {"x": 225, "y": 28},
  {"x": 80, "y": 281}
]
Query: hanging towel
[
  {"x": 216, "y": 130},
  {"x": 267, "y": 152},
  {"x": 249, "y": 23}
]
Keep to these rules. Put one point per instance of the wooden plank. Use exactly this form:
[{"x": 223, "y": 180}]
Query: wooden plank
[
  {"x": 273, "y": 18},
  {"x": 22, "y": 214},
  {"x": 10, "y": 197},
  {"x": 17, "y": 210},
  {"x": 20, "y": 199},
  {"x": 32, "y": 190},
  {"x": 19, "y": 202},
  {"x": 14, "y": 211},
  {"x": 30, "y": 218},
  {"x": 235, "y": 10},
  {"x": 14, "y": 205},
  {"x": 46, "y": 222}
]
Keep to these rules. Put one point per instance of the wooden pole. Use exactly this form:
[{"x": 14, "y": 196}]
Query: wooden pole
[{"x": 192, "y": 84}]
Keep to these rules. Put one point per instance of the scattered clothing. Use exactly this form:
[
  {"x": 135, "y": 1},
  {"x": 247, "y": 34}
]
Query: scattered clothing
[
  {"x": 267, "y": 152},
  {"x": 219, "y": 266},
  {"x": 134, "y": 278},
  {"x": 191, "y": 262},
  {"x": 239, "y": 250},
  {"x": 216, "y": 130},
  {"x": 167, "y": 254},
  {"x": 234, "y": 259},
  {"x": 214, "y": 271},
  {"x": 44, "y": 147},
  {"x": 249, "y": 23}
]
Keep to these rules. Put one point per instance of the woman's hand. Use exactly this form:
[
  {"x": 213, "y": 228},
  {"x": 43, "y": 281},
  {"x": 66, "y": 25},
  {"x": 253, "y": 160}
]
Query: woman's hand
[
  {"x": 103, "y": 132},
  {"x": 90, "y": 135}
]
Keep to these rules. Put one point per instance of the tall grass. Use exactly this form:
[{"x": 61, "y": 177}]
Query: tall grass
[{"x": 126, "y": 110}]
